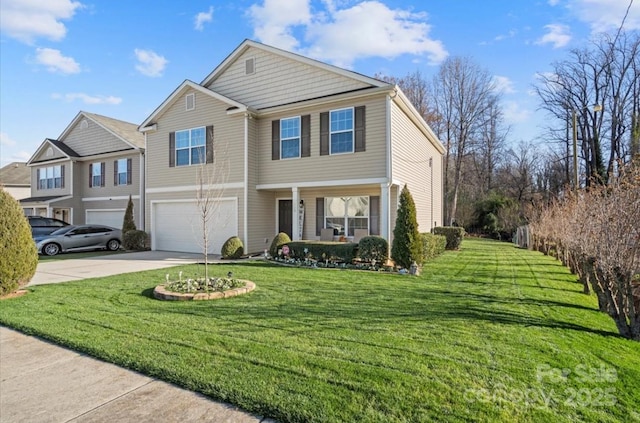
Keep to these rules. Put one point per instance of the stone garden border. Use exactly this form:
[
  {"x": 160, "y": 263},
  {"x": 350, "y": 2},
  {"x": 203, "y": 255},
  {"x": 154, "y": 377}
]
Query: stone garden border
[{"x": 161, "y": 293}]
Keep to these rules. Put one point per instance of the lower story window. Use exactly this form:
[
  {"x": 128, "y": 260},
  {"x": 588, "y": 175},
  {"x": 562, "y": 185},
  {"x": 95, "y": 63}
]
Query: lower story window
[{"x": 346, "y": 214}]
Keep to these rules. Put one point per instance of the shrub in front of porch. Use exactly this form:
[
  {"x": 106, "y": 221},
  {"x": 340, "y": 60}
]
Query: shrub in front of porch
[
  {"x": 373, "y": 248},
  {"x": 279, "y": 240},
  {"x": 342, "y": 252}
]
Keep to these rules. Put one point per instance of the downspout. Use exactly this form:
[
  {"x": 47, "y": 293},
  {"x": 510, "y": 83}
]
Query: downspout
[
  {"x": 245, "y": 217},
  {"x": 143, "y": 183},
  {"x": 389, "y": 175}
]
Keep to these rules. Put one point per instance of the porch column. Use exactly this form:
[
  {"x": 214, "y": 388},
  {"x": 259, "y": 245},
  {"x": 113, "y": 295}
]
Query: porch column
[
  {"x": 295, "y": 214},
  {"x": 385, "y": 213}
]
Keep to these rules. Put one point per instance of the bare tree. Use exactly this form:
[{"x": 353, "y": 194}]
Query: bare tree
[
  {"x": 463, "y": 95},
  {"x": 212, "y": 171}
]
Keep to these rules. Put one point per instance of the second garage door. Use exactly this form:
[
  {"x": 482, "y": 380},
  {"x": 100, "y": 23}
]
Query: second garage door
[
  {"x": 106, "y": 217},
  {"x": 177, "y": 226}
]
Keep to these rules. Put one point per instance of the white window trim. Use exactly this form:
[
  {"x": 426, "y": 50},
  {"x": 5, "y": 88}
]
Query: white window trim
[
  {"x": 352, "y": 130},
  {"x": 346, "y": 217},
  {"x": 299, "y": 137},
  {"x": 96, "y": 165},
  {"x": 190, "y": 147},
  {"x": 44, "y": 176},
  {"x": 126, "y": 173}
]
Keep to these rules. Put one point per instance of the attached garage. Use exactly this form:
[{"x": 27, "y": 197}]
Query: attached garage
[
  {"x": 111, "y": 217},
  {"x": 177, "y": 225}
]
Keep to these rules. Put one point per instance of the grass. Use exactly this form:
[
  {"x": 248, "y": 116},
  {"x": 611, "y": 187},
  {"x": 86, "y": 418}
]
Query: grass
[{"x": 488, "y": 333}]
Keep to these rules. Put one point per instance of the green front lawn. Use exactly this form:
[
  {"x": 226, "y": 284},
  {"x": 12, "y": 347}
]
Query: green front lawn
[{"x": 489, "y": 333}]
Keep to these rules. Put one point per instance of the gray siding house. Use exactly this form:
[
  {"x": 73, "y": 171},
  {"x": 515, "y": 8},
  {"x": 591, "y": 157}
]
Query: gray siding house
[
  {"x": 87, "y": 174},
  {"x": 284, "y": 143}
]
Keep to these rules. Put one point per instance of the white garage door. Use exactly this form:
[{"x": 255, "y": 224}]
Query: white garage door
[
  {"x": 106, "y": 217},
  {"x": 177, "y": 226}
]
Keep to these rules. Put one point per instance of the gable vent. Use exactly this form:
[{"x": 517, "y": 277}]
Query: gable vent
[
  {"x": 49, "y": 152},
  {"x": 190, "y": 101},
  {"x": 84, "y": 124},
  {"x": 250, "y": 66}
]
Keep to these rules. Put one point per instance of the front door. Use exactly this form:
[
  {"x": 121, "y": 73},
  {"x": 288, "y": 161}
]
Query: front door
[{"x": 285, "y": 217}]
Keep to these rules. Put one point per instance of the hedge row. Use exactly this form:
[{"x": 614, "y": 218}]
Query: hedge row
[
  {"x": 432, "y": 245},
  {"x": 454, "y": 235}
]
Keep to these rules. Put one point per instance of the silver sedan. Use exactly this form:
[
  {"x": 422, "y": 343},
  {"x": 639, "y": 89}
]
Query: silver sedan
[{"x": 79, "y": 238}]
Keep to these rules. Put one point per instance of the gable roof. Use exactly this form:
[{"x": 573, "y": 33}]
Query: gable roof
[
  {"x": 15, "y": 174},
  {"x": 60, "y": 146},
  {"x": 246, "y": 44},
  {"x": 125, "y": 131},
  {"x": 187, "y": 84}
]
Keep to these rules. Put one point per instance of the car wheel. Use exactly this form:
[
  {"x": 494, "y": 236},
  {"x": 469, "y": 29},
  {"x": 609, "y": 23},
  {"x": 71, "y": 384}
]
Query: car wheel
[
  {"x": 51, "y": 249},
  {"x": 113, "y": 245}
]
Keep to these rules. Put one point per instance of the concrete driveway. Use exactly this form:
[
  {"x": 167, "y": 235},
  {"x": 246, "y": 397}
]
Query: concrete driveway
[{"x": 70, "y": 269}]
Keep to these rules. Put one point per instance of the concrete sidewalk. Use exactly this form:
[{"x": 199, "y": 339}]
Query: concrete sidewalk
[
  {"x": 55, "y": 271},
  {"x": 42, "y": 382}
]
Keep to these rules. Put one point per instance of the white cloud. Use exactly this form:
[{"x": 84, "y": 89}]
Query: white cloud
[
  {"x": 5, "y": 140},
  {"x": 607, "y": 15},
  {"x": 557, "y": 34},
  {"x": 26, "y": 20},
  {"x": 514, "y": 113},
  {"x": 273, "y": 26},
  {"x": 503, "y": 84},
  {"x": 553, "y": 2},
  {"x": 150, "y": 63},
  {"x": 343, "y": 35},
  {"x": 202, "y": 18},
  {"x": 55, "y": 61},
  {"x": 88, "y": 99}
]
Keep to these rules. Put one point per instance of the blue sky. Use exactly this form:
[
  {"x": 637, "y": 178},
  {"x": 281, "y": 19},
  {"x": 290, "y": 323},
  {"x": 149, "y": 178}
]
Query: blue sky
[{"x": 123, "y": 58}]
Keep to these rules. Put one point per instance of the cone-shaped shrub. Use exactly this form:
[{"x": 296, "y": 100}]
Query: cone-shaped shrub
[
  {"x": 17, "y": 248},
  {"x": 407, "y": 244},
  {"x": 128, "y": 224}
]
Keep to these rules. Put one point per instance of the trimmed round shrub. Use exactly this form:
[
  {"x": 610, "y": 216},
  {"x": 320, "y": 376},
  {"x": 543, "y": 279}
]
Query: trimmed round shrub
[
  {"x": 279, "y": 240},
  {"x": 135, "y": 240},
  {"x": 232, "y": 248},
  {"x": 17, "y": 248},
  {"x": 454, "y": 234},
  {"x": 373, "y": 248}
]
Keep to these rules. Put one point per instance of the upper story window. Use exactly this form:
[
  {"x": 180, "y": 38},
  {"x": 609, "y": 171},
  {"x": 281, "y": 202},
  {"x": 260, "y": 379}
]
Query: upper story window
[
  {"x": 96, "y": 174},
  {"x": 341, "y": 131},
  {"x": 346, "y": 214},
  {"x": 122, "y": 172},
  {"x": 190, "y": 147},
  {"x": 51, "y": 177},
  {"x": 290, "y": 138}
]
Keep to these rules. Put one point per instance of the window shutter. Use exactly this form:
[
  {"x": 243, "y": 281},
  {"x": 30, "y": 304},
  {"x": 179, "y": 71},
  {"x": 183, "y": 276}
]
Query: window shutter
[
  {"x": 172, "y": 149},
  {"x": 90, "y": 175},
  {"x": 38, "y": 179},
  {"x": 209, "y": 147},
  {"x": 319, "y": 215},
  {"x": 102, "y": 175},
  {"x": 374, "y": 215},
  {"x": 115, "y": 173},
  {"x": 305, "y": 141},
  {"x": 360, "y": 129},
  {"x": 275, "y": 139},
  {"x": 324, "y": 133},
  {"x": 129, "y": 171},
  {"x": 62, "y": 176}
]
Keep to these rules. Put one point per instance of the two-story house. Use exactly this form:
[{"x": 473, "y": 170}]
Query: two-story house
[
  {"x": 290, "y": 144},
  {"x": 89, "y": 172}
]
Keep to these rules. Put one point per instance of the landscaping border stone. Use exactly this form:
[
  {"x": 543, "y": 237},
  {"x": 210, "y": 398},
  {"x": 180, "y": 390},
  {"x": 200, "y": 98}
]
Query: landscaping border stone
[{"x": 161, "y": 293}]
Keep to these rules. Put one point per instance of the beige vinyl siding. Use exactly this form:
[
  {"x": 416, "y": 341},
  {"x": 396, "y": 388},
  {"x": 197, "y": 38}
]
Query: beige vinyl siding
[
  {"x": 261, "y": 213},
  {"x": 367, "y": 164},
  {"x": 228, "y": 142},
  {"x": 93, "y": 139},
  {"x": 279, "y": 80},
  {"x": 190, "y": 196},
  {"x": 49, "y": 152},
  {"x": 410, "y": 164},
  {"x": 35, "y": 192},
  {"x": 109, "y": 189}
]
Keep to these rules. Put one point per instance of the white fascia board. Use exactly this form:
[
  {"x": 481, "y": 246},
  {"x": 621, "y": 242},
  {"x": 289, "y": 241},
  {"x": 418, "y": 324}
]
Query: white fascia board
[{"x": 321, "y": 184}]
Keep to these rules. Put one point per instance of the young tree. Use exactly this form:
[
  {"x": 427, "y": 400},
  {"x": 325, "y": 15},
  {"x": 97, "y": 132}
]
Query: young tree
[
  {"x": 407, "y": 245},
  {"x": 128, "y": 224}
]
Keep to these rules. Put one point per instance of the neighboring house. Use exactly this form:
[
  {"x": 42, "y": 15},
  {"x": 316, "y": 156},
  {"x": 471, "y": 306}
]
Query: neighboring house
[
  {"x": 294, "y": 145},
  {"x": 15, "y": 178},
  {"x": 89, "y": 172}
]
